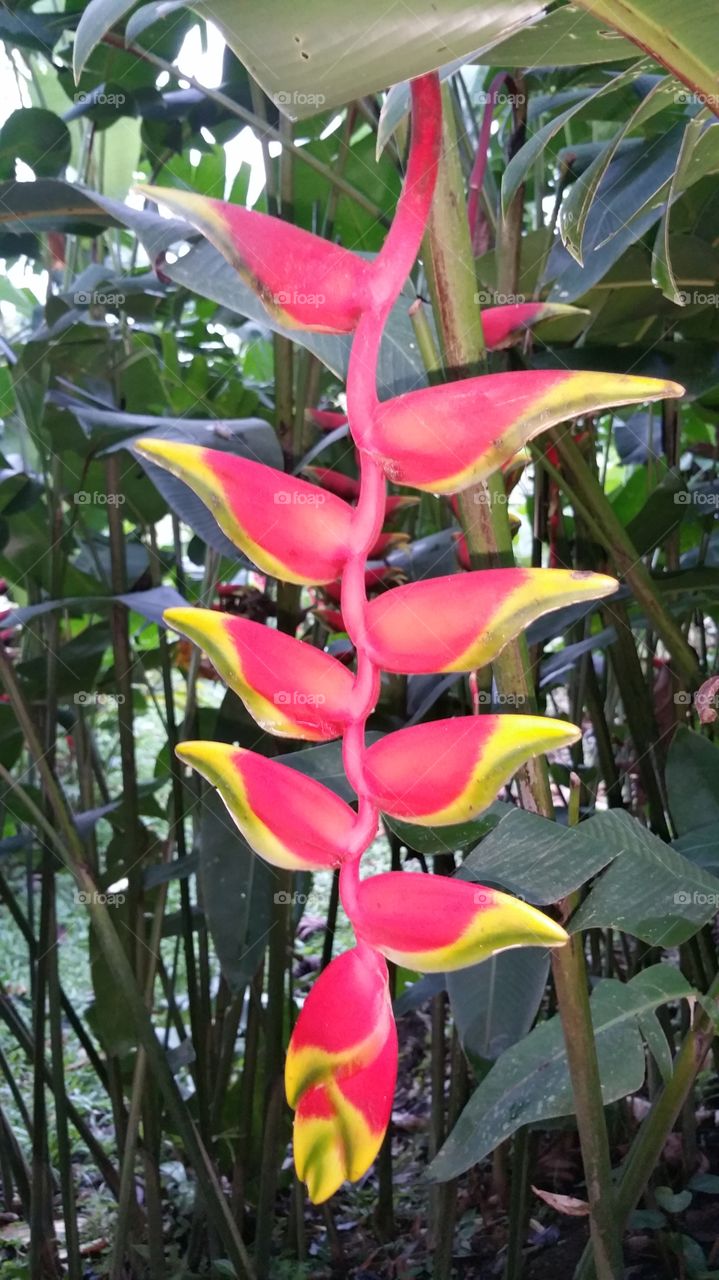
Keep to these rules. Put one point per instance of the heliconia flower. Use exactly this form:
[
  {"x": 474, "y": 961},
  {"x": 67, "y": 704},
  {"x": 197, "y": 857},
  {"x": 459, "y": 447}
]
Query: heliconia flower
[
  {"x": 288, "y": 819},
  {"x": 303, "y": 281},
  {"x": 449, "y": 771},
  {"x": 326, "y": 419},
  {"x": 346, "y": 487},
  {"x": 438, "y": 923},
  {"x": 458, "y": 623},
  {"x": 291, "y": 689},
  {"x": 341, "y": 1071},
  {"x": 445, "y": 438},
  {"x": 287, "y": 527},
  {"x": 504, "y": 325}
]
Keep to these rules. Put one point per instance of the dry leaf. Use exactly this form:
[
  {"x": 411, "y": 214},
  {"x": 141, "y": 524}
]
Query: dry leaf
[{"x": 563, "y": 1204}]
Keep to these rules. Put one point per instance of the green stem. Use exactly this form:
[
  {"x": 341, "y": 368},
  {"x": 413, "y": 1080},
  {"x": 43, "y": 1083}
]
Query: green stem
[
  {"x": 647, "y": 1147},
  {"x": 588, "y": 498}
]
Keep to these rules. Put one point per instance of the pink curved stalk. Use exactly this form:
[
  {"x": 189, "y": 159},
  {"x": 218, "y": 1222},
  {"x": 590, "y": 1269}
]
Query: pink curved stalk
[{"x": 479, "y": 168}]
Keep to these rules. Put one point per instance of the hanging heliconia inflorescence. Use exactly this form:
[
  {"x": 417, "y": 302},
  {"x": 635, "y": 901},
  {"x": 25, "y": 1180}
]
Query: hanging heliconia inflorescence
[{"x": 342, "y": 1058}]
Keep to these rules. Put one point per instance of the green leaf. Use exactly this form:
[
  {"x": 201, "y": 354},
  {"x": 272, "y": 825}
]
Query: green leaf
[
  {"x": 495, "y": 1003},
  {"x": 692, "y": 781},
  {"x": 538, "y": 859},
  {"x": 564, "y": 38},
  {"x": 685, "y": 38},
  {"x": 530, "y": 1083},
  {"x": 651, "y": 891},
  {"x": 237, "y": 892},
  {"x": 38, "y": 137},
  {"x": 432, "y": 840},
  {"x": 96, "y": 21},
  {"x": 707, "y": 1183},
  {"x": 662, "y": 271},
  {"x": 48, "y": 205},
  {"x": 672, "y": 1201},
  {"x": 520, "y": 163},
  {"x": 575, "y": 208},
  {"x": 301, "y": 69}
]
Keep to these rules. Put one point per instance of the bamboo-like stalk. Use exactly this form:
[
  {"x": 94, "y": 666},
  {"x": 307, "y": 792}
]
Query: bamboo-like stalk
[
  {"x": 69, "y": 845},
  {"x": 647, "y": 1147},
  {"x": 589, "y": 498},
  {"x": 488, "y": 535},
  {"x": 522, "y": 1147}
]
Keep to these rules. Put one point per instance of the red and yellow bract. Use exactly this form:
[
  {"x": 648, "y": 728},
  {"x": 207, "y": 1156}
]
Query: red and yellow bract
[{"x": 342, "y": 1058}]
